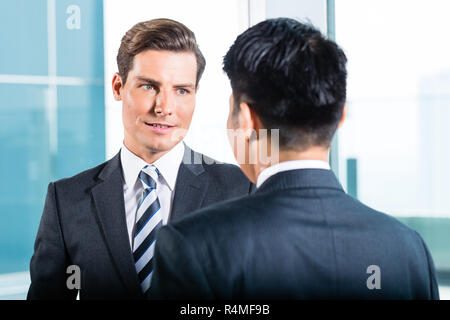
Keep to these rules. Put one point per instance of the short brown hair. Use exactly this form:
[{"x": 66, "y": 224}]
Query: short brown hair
[{"x": 157, "y": 34}]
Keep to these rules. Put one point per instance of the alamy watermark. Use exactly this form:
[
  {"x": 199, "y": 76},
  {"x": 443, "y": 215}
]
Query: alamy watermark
[
  {"x": 74, "y": 278},
  {"x": 374, "y": 281},
  {"x": 249, "y": 146},
  {"x": 73, "y": 22}
]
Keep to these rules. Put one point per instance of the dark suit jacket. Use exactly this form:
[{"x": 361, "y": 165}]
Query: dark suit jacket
[
  {"x": 84, "y": 224},
  {"x": 298, "y": 236}
]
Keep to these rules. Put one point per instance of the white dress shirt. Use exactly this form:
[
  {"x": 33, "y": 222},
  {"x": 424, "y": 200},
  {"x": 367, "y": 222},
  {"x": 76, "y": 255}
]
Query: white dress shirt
[
  {"x": 290, "y": 165},
  {"x": 167, "y": 166}
]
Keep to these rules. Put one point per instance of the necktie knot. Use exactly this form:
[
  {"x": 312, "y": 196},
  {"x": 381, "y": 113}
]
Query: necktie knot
[{"x": 148, "y": 176}]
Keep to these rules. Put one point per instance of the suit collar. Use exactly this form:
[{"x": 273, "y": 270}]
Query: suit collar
[
  {"x": 301, "y": 178},
  {"x": 110, "y": 209},
  {"x": 193, "y": 161},
  {"x": 191, "y": 186},
  {"x": 290, "y": 165},
  {"x": 110, "y": 168}
]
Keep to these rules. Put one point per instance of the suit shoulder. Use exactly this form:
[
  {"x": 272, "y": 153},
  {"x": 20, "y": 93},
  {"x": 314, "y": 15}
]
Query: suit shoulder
[
  {"x": 223, "y": 170},
  {"x": 218, "y": 216},
  {"x": 383, "y": 222},
  {"x": 382, "y": 217},
  {"x": 85, "y": 177}
]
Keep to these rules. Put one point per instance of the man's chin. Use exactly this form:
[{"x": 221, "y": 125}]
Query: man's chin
[
  {"x": 161, "y": 144},
  {"x": 160, "y": 147}
]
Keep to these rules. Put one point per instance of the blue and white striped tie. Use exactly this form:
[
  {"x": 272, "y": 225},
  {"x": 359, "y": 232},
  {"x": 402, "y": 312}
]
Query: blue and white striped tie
[{"x": 148, "y": 221}]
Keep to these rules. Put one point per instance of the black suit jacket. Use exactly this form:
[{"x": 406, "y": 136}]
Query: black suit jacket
[
  {"x": 298, "y": 236},
  {"x": 84, "y": 224}
]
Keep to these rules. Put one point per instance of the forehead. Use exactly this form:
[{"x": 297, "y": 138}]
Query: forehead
[{"x": 165, "y": 65}]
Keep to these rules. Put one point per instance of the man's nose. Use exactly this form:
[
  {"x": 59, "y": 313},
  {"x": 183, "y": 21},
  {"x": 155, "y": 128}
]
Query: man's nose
[{"x": 163, "y": 103}]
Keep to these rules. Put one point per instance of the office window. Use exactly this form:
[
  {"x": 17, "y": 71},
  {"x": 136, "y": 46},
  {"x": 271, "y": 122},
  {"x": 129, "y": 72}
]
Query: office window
[
  {"x": 51, "y": 113},
  {"x": 394, "y": 147}
]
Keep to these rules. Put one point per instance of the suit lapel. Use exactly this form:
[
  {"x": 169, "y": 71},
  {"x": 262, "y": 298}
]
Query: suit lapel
[
  {"x": 110, "y": 209},
  {"x": 191, "y": 185}
]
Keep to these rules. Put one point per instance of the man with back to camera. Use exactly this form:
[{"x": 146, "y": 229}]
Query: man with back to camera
[
  {"x": 104, "y": 220},
  {"x": 299, "y": 235}
]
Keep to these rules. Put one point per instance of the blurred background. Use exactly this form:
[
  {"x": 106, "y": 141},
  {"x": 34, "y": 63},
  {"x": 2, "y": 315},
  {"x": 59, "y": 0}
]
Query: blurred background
[{"x": 58, "y": 116}]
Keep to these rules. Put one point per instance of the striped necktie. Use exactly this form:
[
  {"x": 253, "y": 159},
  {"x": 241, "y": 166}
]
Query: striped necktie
[{"x": 148, "y": 221}]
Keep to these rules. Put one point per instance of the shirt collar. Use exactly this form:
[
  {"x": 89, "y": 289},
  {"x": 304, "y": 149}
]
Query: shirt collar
[
  {"x": 167, "y": 165},
  {"x": 290, "y": 165}
]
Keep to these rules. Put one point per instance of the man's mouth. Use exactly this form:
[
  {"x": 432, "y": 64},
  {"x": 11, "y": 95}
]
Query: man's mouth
[
  {"x": 158, "y": 124},
  {"x": 159, "y": 127}
]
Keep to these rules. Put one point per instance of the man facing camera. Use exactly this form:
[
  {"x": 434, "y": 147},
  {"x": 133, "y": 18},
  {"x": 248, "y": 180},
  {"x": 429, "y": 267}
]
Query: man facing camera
[
  {"x": 299, "y": 236},
  {"x": 103, "y": 221}
]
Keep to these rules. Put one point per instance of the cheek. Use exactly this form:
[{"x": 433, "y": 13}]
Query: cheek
[
  {"x": 232, "y": 122},
  {"x": 233, "y": 134},
  {"x": 230, "y": 111},
  {"x": 133, "y": 107},
  {"x": 128, "y": 116},
  {"x": 234, "y": 145},
  {"x": 185, "y": 112}
]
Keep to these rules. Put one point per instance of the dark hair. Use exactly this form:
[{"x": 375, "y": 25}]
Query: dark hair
[
  {"x": 157, "y": 34},
  {"x": 292, "y": 77}
]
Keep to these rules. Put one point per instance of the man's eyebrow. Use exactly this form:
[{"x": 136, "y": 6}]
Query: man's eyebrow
[
  {"x": 148, "y": 80},
  {"x": 152, "y": 81},
  {"x": 185, "y": 85}
]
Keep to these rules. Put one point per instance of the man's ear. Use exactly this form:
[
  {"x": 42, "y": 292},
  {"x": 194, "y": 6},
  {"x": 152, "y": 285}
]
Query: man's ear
[
  {"x": 117, "y": 86},
  {"x": 246, "y": 118},
  {"x": 344, "y": 114}
]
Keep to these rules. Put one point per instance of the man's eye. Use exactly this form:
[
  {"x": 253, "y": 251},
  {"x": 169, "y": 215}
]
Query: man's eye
[
  {"x": 148, "y": 87},
  {"x": 182, "y": 91}
]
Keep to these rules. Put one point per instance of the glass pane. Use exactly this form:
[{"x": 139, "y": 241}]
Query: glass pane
[
  {"x": 394, "y": 147},
  {"x": 81, "y": 129},
  {"x": 51, "y": 126},
  {"x": 79, "y": 39},
  {"x": 25, "y": 170},
  {"x": 23, "y": 37}
]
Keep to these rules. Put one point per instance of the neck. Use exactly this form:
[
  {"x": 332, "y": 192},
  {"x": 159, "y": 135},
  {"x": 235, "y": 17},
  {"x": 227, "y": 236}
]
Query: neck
[
  {"x": 313, "y": 153},
  {"x": 148, "y": 155}
]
